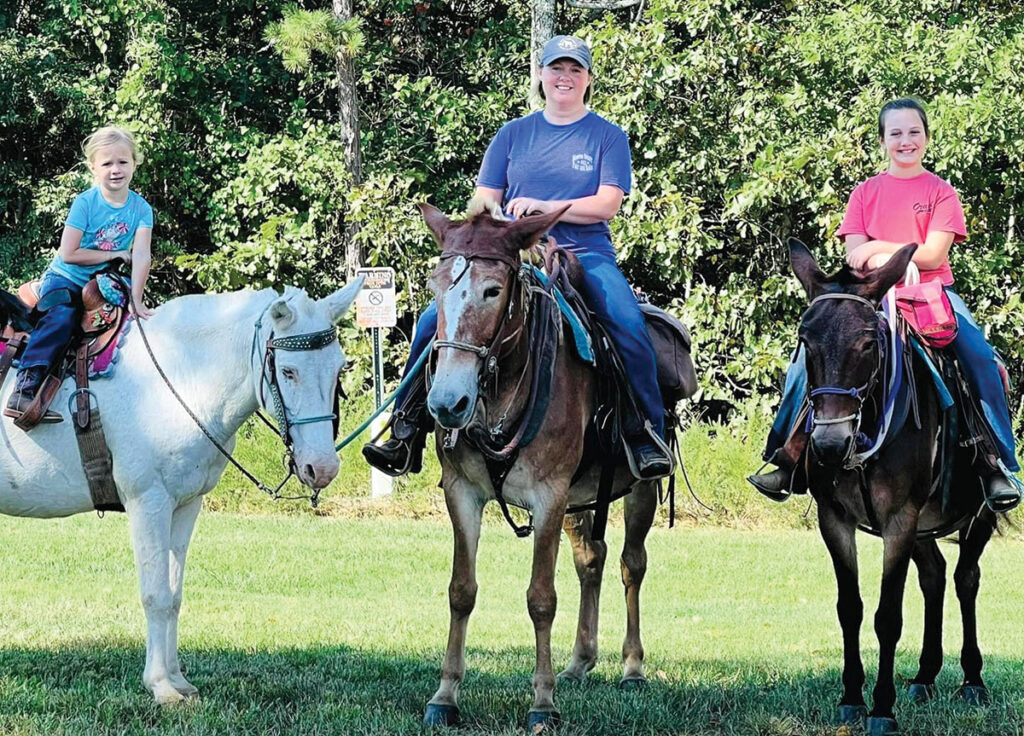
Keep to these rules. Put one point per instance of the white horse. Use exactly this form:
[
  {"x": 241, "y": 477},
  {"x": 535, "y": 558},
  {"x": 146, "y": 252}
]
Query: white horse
[{"x": 212, "y": 349}]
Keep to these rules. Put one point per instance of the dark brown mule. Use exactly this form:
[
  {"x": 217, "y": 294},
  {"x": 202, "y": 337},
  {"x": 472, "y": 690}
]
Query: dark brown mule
[
  {"x": 479, "y": 314},
  {"x": 840, "y": 333}
]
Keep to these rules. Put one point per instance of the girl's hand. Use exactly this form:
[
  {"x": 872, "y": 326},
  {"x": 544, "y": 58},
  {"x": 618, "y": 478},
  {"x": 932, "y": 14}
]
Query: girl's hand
[
  {"x": 140, "y": 310},
  {"x": 858, "y": 258},
  {"x": 522, "y": 206}
]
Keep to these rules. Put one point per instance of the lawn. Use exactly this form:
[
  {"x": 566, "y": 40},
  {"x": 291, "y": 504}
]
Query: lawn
[{"x": 307, "y": 625}]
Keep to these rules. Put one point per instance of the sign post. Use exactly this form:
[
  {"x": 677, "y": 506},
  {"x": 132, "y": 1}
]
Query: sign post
[{"x": 375, "y": 309}]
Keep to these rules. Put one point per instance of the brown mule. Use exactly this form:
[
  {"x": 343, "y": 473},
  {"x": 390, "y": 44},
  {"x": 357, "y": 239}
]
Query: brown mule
[
  {"x": 891, "y": 495},
  {"x": 481, "y": 378}
]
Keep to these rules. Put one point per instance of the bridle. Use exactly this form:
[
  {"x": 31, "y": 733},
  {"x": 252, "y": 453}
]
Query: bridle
[
  {"x": 859, "y": 393},
  {"x": 268, "y": 376}
]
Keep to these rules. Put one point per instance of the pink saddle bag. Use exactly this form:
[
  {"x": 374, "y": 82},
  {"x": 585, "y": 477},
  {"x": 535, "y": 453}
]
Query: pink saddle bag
[{"x": 927, "y": 309}]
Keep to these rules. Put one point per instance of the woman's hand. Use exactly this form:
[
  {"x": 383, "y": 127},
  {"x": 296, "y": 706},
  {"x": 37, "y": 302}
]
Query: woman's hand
[{"x": 522, "y": 206}]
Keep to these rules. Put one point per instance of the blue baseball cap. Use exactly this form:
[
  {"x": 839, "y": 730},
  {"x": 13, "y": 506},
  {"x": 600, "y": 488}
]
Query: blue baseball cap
[{"x": 566, "y": 47}]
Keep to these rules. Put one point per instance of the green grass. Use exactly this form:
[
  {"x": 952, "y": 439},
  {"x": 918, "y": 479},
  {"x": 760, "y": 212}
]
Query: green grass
[{"x": 333, "y": 626}]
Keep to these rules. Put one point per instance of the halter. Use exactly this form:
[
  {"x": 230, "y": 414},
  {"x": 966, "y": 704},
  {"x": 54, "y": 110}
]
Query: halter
[{"x": 860, "y": 393}]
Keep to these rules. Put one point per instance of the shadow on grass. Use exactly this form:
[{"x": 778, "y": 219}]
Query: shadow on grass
[{"x": 89, "y": 687}]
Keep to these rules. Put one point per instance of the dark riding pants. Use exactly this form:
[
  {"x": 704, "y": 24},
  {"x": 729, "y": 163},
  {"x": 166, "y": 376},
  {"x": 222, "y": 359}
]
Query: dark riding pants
[
  {"x": 980, "y": 367},
  {"x": 611, "y": 299},
  {"x": 53, "y": 331}
]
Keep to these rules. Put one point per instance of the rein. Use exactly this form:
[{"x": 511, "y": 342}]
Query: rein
[{"x": 307, "y": 341}]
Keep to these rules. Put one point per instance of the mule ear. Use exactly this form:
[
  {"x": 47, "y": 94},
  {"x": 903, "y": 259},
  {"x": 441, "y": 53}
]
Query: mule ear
[
  {"x": 436, "y": 220},
  {"x": 524, "y": 232},
  {"x": 806, "y": 269},
  {"x": 339, "y": 302},
  {"x": 883, "y": 278},
  {"x": 282, "y": 314}
]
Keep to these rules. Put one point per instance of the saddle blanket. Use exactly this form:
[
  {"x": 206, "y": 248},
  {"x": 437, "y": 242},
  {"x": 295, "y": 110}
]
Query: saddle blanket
[{"x": 102, "y": 364}]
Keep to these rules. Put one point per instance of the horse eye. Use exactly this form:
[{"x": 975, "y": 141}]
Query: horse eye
[
  {"x": 290, "y": 373},
  {"x": 491, "y": 292}
]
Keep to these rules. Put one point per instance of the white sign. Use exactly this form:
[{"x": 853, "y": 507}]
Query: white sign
[{"x": 375, "y": 304}]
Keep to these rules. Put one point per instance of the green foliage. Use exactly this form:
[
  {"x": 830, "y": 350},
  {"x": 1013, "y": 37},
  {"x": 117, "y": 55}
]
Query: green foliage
[{"x": 750, "y": 122}]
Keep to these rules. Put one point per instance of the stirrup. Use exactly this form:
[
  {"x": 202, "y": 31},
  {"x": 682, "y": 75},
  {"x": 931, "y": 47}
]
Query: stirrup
[{"x": 779, "y": 495}]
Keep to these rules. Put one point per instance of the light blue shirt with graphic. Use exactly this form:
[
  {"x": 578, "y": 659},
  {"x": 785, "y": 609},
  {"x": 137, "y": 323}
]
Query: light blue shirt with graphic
[
  {"x": 530, "y": 157},
  {"x": 104, "y": 227}
]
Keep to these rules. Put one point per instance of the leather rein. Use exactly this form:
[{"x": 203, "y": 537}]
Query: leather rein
[{"x": 303, "y": 342}]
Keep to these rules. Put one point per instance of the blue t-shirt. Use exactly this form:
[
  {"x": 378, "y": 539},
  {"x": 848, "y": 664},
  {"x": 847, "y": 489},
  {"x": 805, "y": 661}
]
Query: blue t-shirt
[
  {"x": 104, "y": 227},
  {"x": 530, "y": 157}
]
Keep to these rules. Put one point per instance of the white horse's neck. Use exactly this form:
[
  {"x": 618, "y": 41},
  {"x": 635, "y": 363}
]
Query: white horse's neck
[{"x": 205, "y": 346}]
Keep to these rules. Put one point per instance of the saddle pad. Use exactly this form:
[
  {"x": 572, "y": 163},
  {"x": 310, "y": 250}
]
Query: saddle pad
[
  {"x": 102, "y": 365},
  {"x": 581, "y": 338}
]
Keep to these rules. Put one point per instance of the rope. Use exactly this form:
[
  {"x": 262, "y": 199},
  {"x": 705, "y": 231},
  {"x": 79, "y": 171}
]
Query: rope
[{"x": 409, "y": 378}]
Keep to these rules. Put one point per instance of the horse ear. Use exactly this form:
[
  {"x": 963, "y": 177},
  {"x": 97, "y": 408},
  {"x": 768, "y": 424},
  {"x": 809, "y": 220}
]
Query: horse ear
[
  {"x": 806, "y": 269},
  {"x": 339, "y": 302},
  {"x": 282, "y": 314},
  {"x": 884, "y": 277},
  {"x": 436, "y": 220},
  {"x": 525, "y": 231}
]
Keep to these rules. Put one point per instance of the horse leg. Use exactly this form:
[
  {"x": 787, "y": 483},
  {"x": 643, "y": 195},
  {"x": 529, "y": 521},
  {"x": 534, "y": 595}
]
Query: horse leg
[
  {"x": 967, "y": 578},
  {"x": 641, "y": 506},
  {"x": 465, "y": 510},
  {"x": 183, "y": 521},
  {"x": 898, "y": 540},
  {"x": 931, "y": 573},
  {"x": 589, "y": 557},
  {"x": 541, "y": 602},
  {"x": 149, "y": 515},
  {"x": 838, "y": 534}
]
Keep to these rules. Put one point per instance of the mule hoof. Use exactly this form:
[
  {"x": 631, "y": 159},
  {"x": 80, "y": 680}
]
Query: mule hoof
[
  {"x": 634, "y": 682},
  {"x": 441, "y": 715},
  {"x": 539, "y": 721},
  {"x": 852, "y": 714},
  {"x": 881, "y": 727},
  {"x": 570, "y": 677},
  {"x": 921, "y": 693},
  {"x": 974, "y": 694}
]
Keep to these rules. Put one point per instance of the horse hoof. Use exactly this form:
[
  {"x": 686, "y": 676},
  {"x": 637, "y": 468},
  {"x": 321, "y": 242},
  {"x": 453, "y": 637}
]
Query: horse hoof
[
  {"x": 441, "y": 715},
  {"x": 539, "y": 721},
  {"x": 881, "y": 727},
  {"x": 634, "y": 682},
  {"x": 852, "y": 714},
  {"x": 921, "y": 693},
  {"x": 974, "y": 694}
]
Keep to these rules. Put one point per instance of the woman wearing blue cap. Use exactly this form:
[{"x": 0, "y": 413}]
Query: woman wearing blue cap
[{"x": 562, "y": 155}]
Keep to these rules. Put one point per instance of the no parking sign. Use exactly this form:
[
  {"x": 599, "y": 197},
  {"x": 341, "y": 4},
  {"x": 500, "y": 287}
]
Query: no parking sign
[{"x": 375, "y": 303}]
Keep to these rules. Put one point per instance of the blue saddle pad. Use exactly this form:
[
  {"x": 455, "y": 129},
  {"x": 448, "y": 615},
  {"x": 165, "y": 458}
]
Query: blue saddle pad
[{"x": 581, "y": 338}]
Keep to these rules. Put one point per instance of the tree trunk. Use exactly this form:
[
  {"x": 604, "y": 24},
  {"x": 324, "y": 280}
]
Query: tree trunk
[
  {"x": 542, "y": 30},
  {"x": 348, "y": 126}
]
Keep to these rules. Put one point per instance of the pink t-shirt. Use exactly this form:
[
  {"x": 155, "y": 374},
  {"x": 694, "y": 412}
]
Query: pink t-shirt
[{"x": 898, "y": 210}]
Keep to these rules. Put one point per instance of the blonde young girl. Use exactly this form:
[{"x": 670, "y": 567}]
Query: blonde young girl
[{"x": 107, "y": 223}]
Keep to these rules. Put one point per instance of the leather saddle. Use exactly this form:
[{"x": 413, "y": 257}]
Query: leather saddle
[{"x": 104, "y": 307}]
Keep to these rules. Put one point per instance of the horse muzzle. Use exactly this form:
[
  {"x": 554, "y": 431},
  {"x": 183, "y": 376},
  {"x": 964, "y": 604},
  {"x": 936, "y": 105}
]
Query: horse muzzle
[
  {"x": 833, "y": 445},
  {"x": 317, "y": 473},
  {"x": 451, "y": 404}
]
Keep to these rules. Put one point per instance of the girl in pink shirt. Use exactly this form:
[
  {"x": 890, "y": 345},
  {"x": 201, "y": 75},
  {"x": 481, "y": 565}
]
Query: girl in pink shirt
[{"x": 907, "y": 204}]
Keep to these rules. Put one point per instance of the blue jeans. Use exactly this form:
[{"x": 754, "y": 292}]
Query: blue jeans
[
  {"x": 978, "y": 362},
  {"x": 54, "y": 330},
  {"x": 611, "y": 299}
]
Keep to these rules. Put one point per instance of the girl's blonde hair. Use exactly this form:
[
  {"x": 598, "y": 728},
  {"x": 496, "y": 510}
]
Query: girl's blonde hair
[{"x": 108, "y": 136}]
